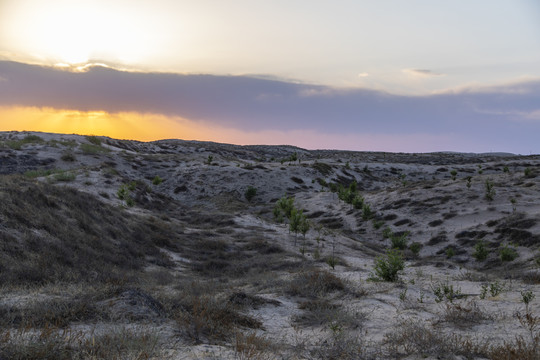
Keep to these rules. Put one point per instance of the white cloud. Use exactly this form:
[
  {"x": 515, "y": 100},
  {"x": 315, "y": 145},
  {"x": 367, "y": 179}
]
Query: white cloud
[
  {"x": 364, "y": 74},
  {"x": 422, "y": 73}
]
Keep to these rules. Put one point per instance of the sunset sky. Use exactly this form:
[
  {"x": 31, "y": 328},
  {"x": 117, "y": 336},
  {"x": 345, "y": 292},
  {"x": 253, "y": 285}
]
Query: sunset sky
[{"x": 386, "y": 75}]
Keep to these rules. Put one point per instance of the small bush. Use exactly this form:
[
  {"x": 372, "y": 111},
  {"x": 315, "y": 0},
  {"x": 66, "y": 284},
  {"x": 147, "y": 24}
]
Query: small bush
[
  {"x": 358, "y": 202},
  {"x": 367, "y": 213},
  {"x": 445, "y": 291},
  {"x": 157, "y": 180},
  {"x": 508, "y": 253},
  {"x": 490, "y": 191},
  {"x": 450, "y": 252},
  {"x": 124, "y": 193},
  {"x": 387, "y": 232},
  {"x": 284, "y": 205},
  {"x": 399, "y": 241},
  {"x": 415, "y": 247},
  {"x": 526, "y": 298},
  {"x": 495, "y": 288},
  {"x": 387, "y": 267},
  {"x": 68, "y": 157},
  {"x": 250, "y": 193},
  {"x": 480, "y": 251},
  {"x": 377, "y": 224},
  {"x": 332, "y": 261}
]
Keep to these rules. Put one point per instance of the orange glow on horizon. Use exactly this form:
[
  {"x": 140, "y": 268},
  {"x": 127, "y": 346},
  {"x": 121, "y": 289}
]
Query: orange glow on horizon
[
  {"x": 150, "y": 127},
  {"x": 128, "y": 125}
]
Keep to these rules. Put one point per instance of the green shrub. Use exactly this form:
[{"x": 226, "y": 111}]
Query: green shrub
[
  {"x": 367, "y": 213},
  {"x": 157, "y": 180},
  {"x": 377, "y": 224},
  {"x": 124, "y": 193},
  {"x": 415, "y": 247},
  {"x": 358, "y": 202},
  {"x": 480, "y": 251},
  {"x": 285, "y": 205},
  {"x": 454, "y": 174},
  {"x": 298, "y": 223},
  {"x": 387, "y": 267},
  {"x": 293, "y": 157},
  {"x": 387, "y": 232},
  {"x": 508, "y": 253},
  {"x": 399, "y": 241},
  {"x": 332, "y": 261},
  {"x": 526, "y": 298},
  {"x": 490, "y": 191},
  {"x": 444, "y": 291},
  {"x": 68, "y": 157},
  {"x": 130, "y": 201},
  {"x": 495, "y": 288},
  {"x": 250, "y": 193},
  {"x": 527, "y": 172},
  {"x": 450, "y": 253}
]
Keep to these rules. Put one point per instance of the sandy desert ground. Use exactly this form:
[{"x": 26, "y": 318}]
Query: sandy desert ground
[{"x": 117, "y": 249}]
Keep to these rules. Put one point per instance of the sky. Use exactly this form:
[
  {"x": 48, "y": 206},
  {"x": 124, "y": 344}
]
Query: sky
[{"x": 387, "y": 75}]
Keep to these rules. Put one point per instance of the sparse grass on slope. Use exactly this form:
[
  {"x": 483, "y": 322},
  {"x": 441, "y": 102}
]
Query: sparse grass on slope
[{"x": 51, "y": 234}]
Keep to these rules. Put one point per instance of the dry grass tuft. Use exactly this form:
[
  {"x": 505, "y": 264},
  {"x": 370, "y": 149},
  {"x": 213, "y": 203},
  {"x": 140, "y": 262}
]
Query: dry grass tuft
[
  {"x": 315, "y": 283},
  {"x": 206, "y": 318},
  {"x": 50, "y": 343}
]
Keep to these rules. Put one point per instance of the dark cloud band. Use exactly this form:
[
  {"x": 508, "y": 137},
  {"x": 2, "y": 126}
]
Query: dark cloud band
[{"x": 265, "y": 104}]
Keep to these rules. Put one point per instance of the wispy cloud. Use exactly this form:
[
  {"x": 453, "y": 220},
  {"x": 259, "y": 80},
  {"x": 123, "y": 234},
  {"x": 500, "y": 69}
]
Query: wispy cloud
[
  {"x": 423, "y": 73},
  {"x": 255, "y": 104}
]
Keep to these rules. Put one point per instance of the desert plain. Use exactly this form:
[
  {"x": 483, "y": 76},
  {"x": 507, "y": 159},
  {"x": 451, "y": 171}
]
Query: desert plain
[{"x": 172, "y": 249}]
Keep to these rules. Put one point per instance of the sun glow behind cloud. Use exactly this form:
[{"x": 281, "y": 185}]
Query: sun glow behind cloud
[{"x": 75, "y": 32}]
